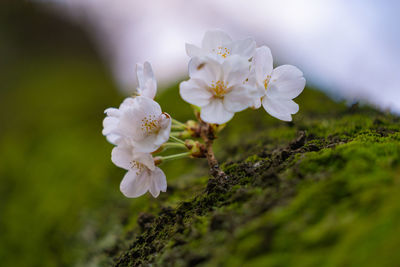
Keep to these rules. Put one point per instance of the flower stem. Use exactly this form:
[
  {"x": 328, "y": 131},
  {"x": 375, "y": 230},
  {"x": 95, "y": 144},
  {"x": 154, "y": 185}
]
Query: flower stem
[
  {"x": 174, "y": 145},
  {"x": 176, "y": 139},
  {"x": 178, "y": 123},
  {"x": 208, "y": 136},
  {"x": 175, "y": 156},
  {"x": 177, "y": 127}
]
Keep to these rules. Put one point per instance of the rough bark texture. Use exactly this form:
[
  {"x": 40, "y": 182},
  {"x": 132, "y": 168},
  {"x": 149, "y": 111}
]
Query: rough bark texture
[{"x": 296, "y": 194}]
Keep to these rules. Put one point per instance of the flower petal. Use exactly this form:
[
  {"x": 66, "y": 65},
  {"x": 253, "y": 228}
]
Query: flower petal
[
  {"x": 113, "y": 112},
  {"x": 163, "y": 134},
  {"x": 146, "y": 80},
  {"x": 127, "y": 103},
  {"x": 158, "y": 182},
  {"x": 255, "y": 91},
  {"x": 235, "y": 70},
  {"x": 195, "y": 92},
  {"x": 287, "y": 82},
  {"x": 280, "y": 109},
  {"x": 213, "y": 39},
  {"x": 121, "y": 156},
  {"x": 130, "y": 124},
  {"x": 237, "y": 99},
  {"x": 147, "y": 144},
  {"x": 205, "y": 69},
  {"x": 244, "y": 48},
  {"x": 109, "y": 125},
  {"x": 215, "y": 112},
  {"x": 135, "y": 183},
  {"x": 113, "y": 138},
  {"x": 194, "y": 51},
  {"x": 144, "y": 158},
  {"x": 263, "y": 64}
]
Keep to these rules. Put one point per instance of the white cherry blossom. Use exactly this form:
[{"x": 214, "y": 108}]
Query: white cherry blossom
[
  {"x": 219, "y": 45},
  {"x": 110, "y": 123},
  {"x": 217, "y": 87},
  {"x": 142, "y": 175},
  {"x": 139, "y": 120},
  {"x": 147, "y": 83},
  {"x": 278, "y": 86}
]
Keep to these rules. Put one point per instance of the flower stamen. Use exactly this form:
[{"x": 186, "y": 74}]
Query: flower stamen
[
  {"x": 222, "y": 51},
  {"x": 150, "y": 124},
  {"x": 266, "y": 81},
  {"x": 219, "y": 88},
  {"x": 139, "y": 167}
]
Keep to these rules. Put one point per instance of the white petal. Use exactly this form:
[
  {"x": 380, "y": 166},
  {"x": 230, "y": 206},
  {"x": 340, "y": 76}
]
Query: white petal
[
  {"x": 146, "y": 80},
  {"x": 215, "y": 112},
  {"x": 144, "y": 158},
  {"x": 147, "y": 144},
  {"x": 244, "y": 48},
  {"x": 238, "y": 99},
  {"x": 194, "y": 51},
  {"x": 113, "y": 138},
  {"x": 263, "y": 64},
  {"x": 256, "y": 104},
  {"x": 122, "y": 156},
  {"x": 113, "y": 112},
  {"x": 140, "y": 75},
  {"x": 255, "y": 91},
  {"x": 130, "y": 124},
  {"x": 163, "y": 134},
  {"x": 235, "y": 70},
  {"x": 287, "y": 82},
  {"x": 205, "y": 69},
  {"x": 213, "y": 39},
  {"x": 109, "y": 125},
  {"x": 195, "y": 92},
  {"x": 158, "y": 182},
  {"x": 135, "y": 183},
  {"x": 127, "y": 103},
  {"x": 280, "y": 109}
]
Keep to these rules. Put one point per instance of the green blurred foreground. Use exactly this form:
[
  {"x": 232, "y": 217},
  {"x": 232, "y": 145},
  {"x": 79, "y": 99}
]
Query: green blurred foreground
[{"x": 321, "y": 191}]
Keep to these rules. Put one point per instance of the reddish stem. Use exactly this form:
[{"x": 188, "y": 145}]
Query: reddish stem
[{"x": 207, "y": 134}]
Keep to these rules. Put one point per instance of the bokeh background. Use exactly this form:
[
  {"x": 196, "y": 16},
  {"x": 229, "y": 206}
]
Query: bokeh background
[{"x": 63, "y": 62}]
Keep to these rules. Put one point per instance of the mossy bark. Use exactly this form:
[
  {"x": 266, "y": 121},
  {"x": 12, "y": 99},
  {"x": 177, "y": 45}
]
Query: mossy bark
[{"x": 298, "y": 194}]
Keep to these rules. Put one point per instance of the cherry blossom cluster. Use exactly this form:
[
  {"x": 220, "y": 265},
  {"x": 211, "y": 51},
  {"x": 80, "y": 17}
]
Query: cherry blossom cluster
[
  {"x": 138, "y": 128},
  {"x": 226, "y": 76}
]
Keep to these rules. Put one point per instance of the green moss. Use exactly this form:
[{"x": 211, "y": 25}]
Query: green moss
[
  {"x": 295, "y": 201},
  {"x": 253, "y": 159}
]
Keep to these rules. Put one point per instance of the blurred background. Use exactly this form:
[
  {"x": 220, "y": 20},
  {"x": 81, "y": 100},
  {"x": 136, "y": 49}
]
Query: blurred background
[{"x": 62, "y": 62}]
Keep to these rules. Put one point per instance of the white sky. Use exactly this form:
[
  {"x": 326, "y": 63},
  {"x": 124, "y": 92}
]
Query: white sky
[{"x": 349, "y": 48}]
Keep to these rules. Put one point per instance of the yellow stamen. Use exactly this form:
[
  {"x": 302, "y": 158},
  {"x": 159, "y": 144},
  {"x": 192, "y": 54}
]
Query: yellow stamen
[
  {"x": 218, "y": 88},
  {"x": 266, "y": 81},
  {"x": 138, "y": 166},
  {"x": 150, "y": 124},
  {"x": 222, "y": 51}
]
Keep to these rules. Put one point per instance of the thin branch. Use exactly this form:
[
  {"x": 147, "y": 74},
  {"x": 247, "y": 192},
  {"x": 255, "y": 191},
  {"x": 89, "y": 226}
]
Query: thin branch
[{"x": 208, "y": 136}]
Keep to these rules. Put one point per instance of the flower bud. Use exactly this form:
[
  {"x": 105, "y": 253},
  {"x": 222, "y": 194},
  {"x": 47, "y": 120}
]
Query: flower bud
[{"x": 196, "y": 148}]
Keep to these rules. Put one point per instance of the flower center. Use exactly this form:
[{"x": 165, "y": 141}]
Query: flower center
[
  {"x": 266, "y": 81},
  {"x": 222, "y": 51},
  {"x": 150, "y": 124},
  {"x": 219, "y": 88},
  {"x": 138, "y": 166}
]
